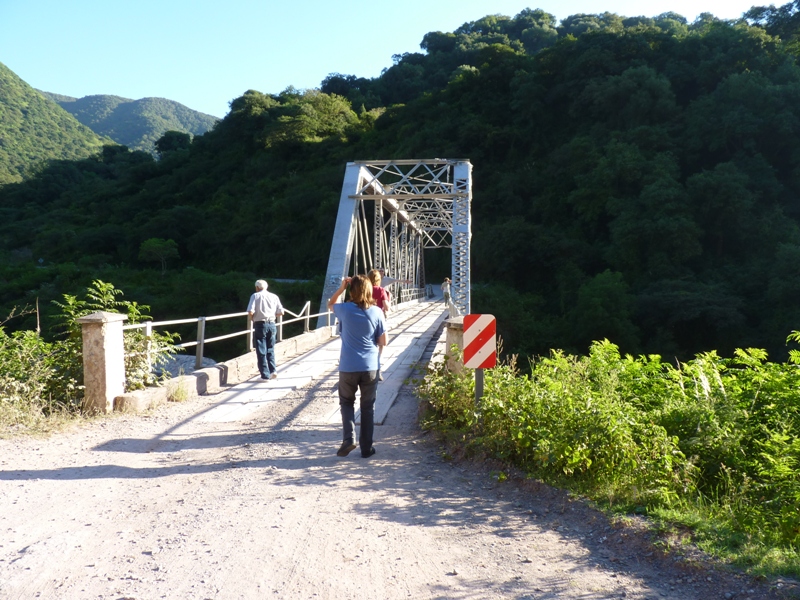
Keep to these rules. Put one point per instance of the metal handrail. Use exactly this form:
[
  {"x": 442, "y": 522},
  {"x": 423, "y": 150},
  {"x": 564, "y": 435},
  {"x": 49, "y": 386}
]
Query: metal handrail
[
  {"x": 201, "y": 341},
  {"x": 407, "y": 294}
]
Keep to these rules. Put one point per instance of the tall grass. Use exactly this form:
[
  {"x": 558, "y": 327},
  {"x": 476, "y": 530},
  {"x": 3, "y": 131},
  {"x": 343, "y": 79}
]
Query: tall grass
[
  {"x": 713, "y": 443},
  {"x": 28, "y": 375}
]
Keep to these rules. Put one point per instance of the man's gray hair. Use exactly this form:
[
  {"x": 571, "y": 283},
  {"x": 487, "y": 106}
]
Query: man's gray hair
[{"x": 261, "y": 285}]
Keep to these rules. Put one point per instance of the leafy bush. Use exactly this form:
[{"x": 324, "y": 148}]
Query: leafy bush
[
  {"x": 38, "y": 378},
  {"x": 449, "y": 395},
  {"x": 142, "y": 354},
  {"x": 26, "y": 371},
  {"x": 714, "y": 436}
]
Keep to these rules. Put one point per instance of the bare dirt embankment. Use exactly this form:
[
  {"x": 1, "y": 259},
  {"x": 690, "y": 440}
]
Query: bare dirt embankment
[{"x": 168, "y": 506}]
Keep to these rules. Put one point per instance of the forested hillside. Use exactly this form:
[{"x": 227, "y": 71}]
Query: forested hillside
[
  {"x": 634, "y": 178},
  {"x": 137, "y": 124},
  {"x": 33, "y": 130}
]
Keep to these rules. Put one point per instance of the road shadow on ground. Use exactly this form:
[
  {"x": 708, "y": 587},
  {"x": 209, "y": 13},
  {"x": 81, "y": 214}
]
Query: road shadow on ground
[{"x": 409, "y": 483}]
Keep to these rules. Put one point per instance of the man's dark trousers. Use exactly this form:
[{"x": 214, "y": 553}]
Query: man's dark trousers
[{"x": 264, "y": 335}]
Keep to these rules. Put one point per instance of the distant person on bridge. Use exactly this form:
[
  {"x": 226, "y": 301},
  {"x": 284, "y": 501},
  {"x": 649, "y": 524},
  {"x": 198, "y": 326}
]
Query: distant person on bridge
[
  {"x": 446, "y": 290},
  {"x": 380, "y": 295},
  {"x": 383, "y": 301},
  {"x": 363, "y": 334},
  {"x": 264, "y": 308}
]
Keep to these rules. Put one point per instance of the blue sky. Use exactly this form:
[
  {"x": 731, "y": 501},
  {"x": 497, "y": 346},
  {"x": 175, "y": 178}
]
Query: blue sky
[{"x": 205, "y": 53}]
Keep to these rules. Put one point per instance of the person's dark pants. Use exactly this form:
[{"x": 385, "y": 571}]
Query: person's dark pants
[
  {"x": 367, "y": 382},
  {"x": 264, "y": 335}
]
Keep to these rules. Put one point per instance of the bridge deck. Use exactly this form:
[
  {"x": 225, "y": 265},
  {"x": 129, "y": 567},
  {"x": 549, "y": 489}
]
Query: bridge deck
[{"x": 411, "y": 328}]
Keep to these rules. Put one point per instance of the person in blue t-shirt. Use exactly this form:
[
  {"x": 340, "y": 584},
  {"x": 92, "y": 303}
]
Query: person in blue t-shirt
[{"x": 363, "y": 334}]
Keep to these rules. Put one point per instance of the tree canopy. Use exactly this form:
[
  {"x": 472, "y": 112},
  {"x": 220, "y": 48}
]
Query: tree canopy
[
  {"x": 34, "y": 129},
  {"x": 635, "y": 178}
]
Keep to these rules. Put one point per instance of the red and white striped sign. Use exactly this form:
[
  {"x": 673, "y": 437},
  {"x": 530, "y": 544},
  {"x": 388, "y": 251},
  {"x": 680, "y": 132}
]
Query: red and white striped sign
[{"x": 480, "y": 341}]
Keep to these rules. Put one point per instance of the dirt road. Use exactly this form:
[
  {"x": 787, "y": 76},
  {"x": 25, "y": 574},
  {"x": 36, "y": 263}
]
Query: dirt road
[{"x": 167, "y": 506}]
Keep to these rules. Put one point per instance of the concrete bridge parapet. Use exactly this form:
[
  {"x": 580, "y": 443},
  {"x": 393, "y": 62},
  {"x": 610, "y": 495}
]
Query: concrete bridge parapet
[
  {"x": 454, "y": 330},
  {"x": 210, "y": 380},
  {"x": 103, "y": 360}
]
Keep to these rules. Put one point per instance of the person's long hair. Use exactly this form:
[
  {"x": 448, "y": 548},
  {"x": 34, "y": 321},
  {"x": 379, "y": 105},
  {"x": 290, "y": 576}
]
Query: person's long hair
[
  {"x": 361, "y": 291},
  {"x": 375, "y": 277}
]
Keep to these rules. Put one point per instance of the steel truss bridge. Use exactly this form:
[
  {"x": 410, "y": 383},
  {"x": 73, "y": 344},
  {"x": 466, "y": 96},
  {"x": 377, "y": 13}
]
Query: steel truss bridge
[{"x": 392, "y": 210}]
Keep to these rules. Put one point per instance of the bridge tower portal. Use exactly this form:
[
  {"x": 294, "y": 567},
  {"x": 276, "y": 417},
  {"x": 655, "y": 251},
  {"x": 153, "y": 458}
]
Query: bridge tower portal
[{"x": 412, "y": 205}]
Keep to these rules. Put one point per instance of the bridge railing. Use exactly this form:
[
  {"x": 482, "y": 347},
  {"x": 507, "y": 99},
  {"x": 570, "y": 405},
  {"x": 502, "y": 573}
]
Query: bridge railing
[
  {"x": 304, "y": 315},
  {"x": 104, "y": 353},
  {"x": 406, "y": 295}
]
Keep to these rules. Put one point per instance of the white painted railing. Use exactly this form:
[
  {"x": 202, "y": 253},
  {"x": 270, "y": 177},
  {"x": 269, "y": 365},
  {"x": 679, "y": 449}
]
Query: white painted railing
[
  {"x": 304, "y": 315},
  {"x": 104, "y": 354},
  {"x": 408, "y": 294}
]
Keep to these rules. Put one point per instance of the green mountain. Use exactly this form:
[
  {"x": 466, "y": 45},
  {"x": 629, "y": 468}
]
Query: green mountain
[
  {"x": 635, "y": 179},
  {"x": 134, "y": 123},
  {"x": 34, "y": 129}
]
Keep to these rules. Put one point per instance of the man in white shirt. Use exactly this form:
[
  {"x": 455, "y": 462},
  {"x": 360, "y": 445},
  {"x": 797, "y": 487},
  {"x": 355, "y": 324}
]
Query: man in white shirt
[
  {"x": 446, "y": 290},
  {"x": 264, "y": 308}
]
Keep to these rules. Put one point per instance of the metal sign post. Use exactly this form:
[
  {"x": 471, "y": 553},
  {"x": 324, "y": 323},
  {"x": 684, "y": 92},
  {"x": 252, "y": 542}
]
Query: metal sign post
[{"x": 478, "y": 384}]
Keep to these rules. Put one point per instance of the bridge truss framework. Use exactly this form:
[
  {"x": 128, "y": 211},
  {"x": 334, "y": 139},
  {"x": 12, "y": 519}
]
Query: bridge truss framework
[{"x": 390, "y": 211}]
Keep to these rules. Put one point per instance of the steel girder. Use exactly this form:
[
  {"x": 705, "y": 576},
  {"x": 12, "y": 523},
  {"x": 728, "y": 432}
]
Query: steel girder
[{"x": 416, "y": 204}]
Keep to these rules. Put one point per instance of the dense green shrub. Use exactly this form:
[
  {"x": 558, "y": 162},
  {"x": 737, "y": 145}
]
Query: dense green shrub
[
  {"x": 27, "y": 371},
  {"x": 39, "y": 377},
  {"x": 142, "y": 354},
  {"x": 714, "y": 436}
]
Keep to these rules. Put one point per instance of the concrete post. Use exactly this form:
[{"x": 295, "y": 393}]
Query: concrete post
[
  {"x": 455, "y": 336},
  {"x": 103, "y": 360}
]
